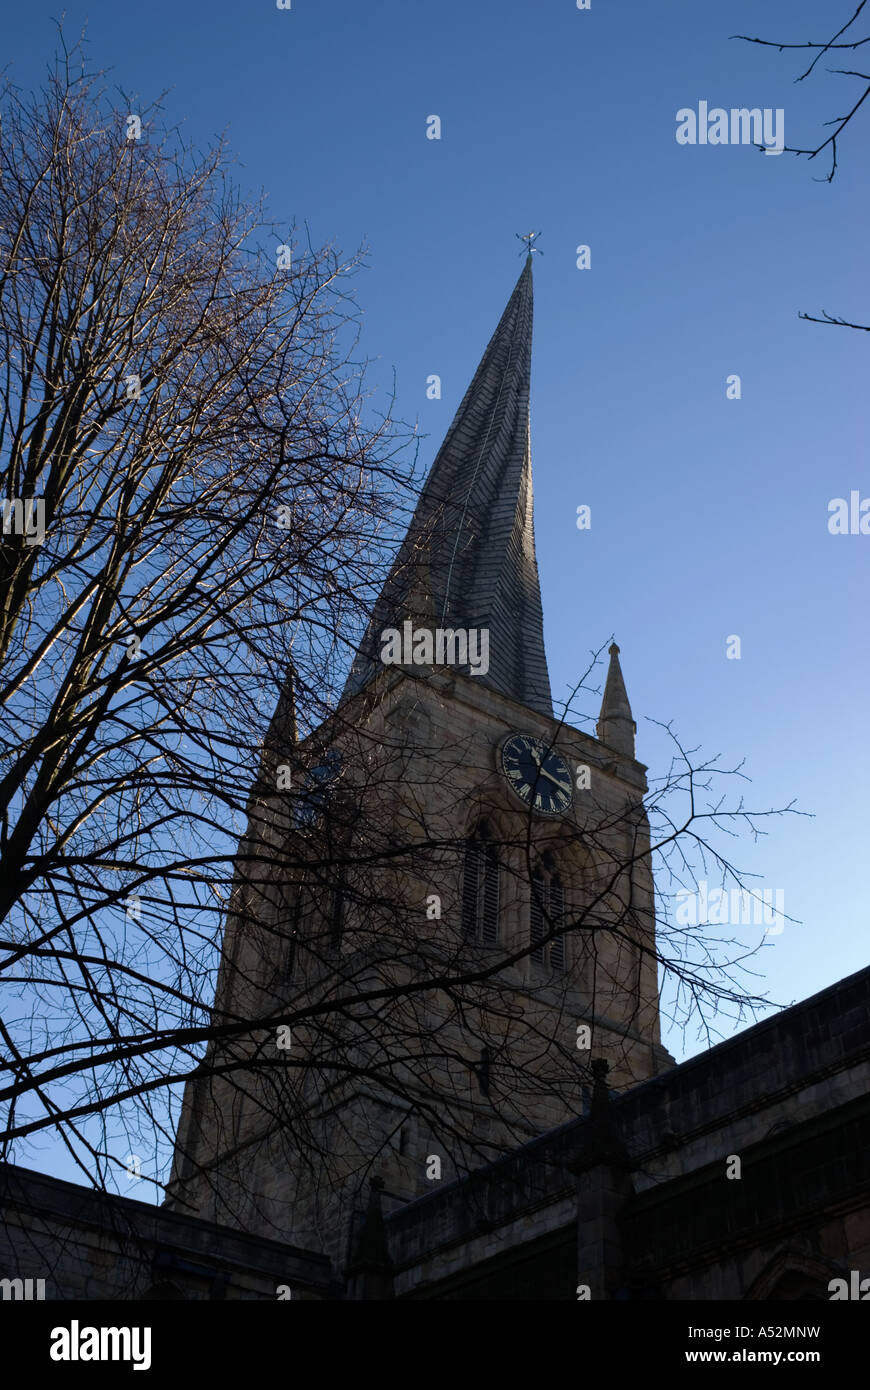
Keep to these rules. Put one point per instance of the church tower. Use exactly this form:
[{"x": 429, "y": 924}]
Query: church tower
[{"x": 443, "y": 906}]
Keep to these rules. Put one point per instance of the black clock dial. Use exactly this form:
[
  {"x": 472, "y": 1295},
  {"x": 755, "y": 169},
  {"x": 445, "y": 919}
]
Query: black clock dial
[{"x": 537, "y": 774}]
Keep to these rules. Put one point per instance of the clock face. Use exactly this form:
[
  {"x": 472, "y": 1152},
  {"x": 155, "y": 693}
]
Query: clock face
[{"x": 537, "y": 774}]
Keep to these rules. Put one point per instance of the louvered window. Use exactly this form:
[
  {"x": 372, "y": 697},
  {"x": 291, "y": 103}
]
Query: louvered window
[
  {"x": 546, "y": 911},
  {"x": 480, "y": 892},
  {"x": 470, "y": 888},
  {"x": 336, "y": 910},
  {"x": 557, "y": 912},
  {"x": 295, "y": 917},
  {"x": 489, "y": 913},
  {"x": 537, "y": 920}
]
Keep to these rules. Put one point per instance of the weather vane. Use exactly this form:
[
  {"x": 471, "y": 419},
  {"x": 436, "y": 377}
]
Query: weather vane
[{"x": 530, "y": 238}]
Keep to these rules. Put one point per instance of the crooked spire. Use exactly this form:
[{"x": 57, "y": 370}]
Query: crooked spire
[
  {"x": 616, "y": 727},
  {"x": 472, "y": 533}
]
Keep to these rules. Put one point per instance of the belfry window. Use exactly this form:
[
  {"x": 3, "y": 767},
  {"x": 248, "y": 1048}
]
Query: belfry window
[
  {"x": 315, "y": 788},
  {"x": 294, "y": 922},
  {"x": 336, "y": 908},
  {"x": 481, "y": 888},
  {"x": 546, "y": 911},
  {"x": 290, "y": 960}
]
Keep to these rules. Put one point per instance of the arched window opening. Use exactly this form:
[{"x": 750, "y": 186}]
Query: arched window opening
[
  {"x": 336, "y": 909},
  {"x": 481, "y": 888},
  {"x": 290, "y": 966},
  {"x": 557, "y": 914},
  {"x": 294, "y": 931},
  {"x": 546, "y": 911}
]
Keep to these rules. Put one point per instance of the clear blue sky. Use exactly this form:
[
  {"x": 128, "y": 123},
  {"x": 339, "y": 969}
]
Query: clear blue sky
[{"x": 709, "y": 515}]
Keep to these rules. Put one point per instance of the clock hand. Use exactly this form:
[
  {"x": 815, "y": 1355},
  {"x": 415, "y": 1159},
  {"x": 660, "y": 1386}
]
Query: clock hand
[
  {"x": 563, "y": 786},
  {"x": 536, "y": 759}
]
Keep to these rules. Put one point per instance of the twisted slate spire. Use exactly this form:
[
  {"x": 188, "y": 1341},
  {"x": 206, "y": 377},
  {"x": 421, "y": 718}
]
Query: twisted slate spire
[{"x": 472, "y": 536}]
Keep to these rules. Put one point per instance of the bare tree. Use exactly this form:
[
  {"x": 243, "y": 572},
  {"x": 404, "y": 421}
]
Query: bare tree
[
  {"x": 191, "y": 494},
  {"x": 837, "y": 42}
]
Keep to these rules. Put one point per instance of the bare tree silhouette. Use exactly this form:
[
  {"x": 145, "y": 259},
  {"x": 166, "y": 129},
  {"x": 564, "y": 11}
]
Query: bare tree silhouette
[{"x": 837, "y": 42}]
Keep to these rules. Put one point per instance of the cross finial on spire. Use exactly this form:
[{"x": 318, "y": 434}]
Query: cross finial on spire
[{"x": 530, "y": 238}]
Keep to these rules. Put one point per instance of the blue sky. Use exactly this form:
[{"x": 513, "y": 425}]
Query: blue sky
[{"x": 709, "y": 516}]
